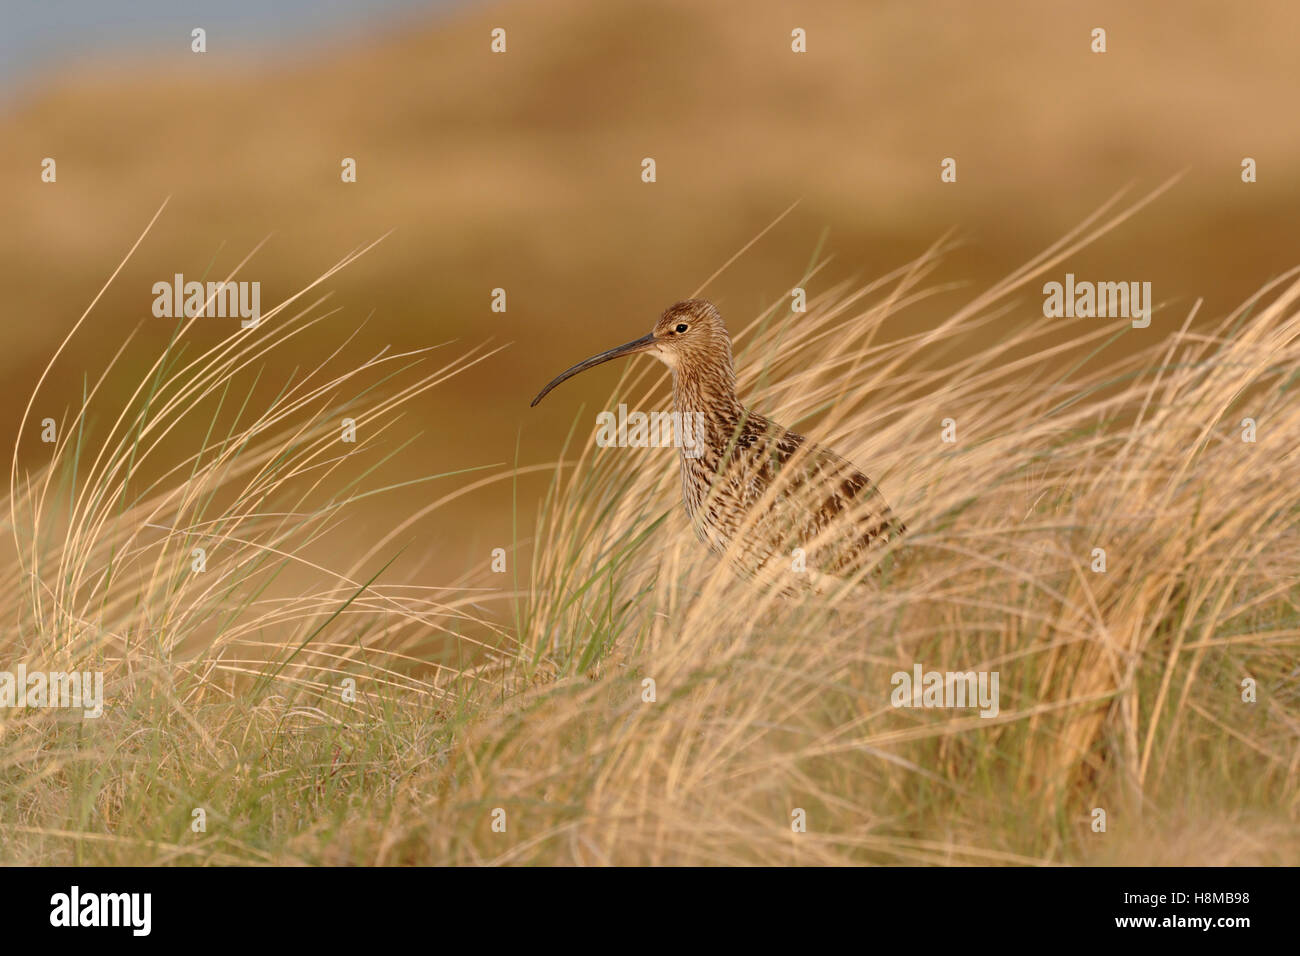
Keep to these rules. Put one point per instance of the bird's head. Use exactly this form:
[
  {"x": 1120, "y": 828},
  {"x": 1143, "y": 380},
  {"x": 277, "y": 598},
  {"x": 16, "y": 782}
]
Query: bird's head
[
  {"x": 689, "y": 335},
  {"x": 690, "y": 332}
]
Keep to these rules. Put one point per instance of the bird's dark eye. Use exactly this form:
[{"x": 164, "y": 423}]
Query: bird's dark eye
[{"x": 681, "y": 327}]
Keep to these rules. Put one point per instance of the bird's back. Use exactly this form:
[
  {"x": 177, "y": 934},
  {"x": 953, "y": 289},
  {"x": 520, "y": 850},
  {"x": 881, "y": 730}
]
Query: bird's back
[{"x": 759, "y": 492}]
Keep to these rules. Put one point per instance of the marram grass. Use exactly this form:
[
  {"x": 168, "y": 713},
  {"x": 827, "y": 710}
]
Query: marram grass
[{"x": 479, "y": 705}]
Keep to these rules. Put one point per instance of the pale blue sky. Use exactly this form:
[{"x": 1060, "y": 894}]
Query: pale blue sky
[{"x": 37, "y": 36}]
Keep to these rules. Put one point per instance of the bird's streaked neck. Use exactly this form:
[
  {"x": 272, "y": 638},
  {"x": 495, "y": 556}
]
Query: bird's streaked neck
[{"x": 710, "y": 389}]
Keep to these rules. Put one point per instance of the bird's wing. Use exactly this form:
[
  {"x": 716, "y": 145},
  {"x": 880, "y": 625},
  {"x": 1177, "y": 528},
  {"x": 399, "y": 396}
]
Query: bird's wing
[{"x": 821, "y": 498}]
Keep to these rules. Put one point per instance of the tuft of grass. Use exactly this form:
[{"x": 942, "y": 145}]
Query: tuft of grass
[{"x": 642, "y": 705}]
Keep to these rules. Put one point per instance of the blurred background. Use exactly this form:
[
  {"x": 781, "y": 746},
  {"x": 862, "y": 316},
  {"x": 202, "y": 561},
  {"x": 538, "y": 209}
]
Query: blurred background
[{"x": 523, "y": 171}]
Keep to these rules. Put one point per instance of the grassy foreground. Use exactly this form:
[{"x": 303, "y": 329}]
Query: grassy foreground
[{"x": 616, "y": 696}]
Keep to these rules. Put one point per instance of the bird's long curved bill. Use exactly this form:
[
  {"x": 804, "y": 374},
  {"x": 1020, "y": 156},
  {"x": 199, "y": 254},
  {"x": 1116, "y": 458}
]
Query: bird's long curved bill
[{"x": 631, "y": 348}]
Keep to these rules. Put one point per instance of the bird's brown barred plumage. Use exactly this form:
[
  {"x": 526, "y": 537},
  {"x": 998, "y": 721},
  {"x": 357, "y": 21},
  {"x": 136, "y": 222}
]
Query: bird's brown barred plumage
[{"x": 753, "y": 490}]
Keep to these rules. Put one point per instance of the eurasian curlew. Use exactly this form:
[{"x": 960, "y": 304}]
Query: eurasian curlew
[{"x": 767, "y": 499}]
